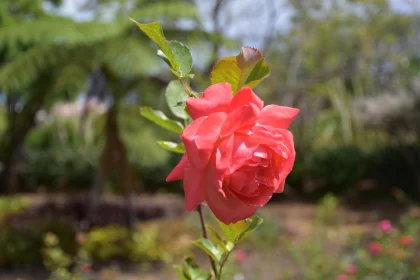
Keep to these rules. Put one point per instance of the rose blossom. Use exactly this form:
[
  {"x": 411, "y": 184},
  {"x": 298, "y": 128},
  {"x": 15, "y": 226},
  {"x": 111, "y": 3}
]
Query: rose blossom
[
  {"x": 375, "y": 248},
  {"x": 238, "y": 153},
  {"x": 342, "y": 277},
  {"x": 240, "y": 256},
  {"x": 351, "y": 269},
  {"x": 385, "y": 226},
  {"x": 86, "y": 268}
]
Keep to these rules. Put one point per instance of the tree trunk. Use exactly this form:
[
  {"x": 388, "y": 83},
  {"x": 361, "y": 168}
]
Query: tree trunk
[
  {"x": 114, "y": 161},
  {"x": 12, "y": 146}
]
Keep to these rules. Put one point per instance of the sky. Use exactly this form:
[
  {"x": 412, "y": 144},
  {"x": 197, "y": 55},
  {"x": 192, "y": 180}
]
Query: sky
[
  {"x": 70, "y": 7},
  {"x": 239, "y": 17}
]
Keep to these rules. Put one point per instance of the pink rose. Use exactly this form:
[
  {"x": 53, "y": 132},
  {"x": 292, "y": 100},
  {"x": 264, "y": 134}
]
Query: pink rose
[
  {"x": 86, "y": 268},
  {"x": 238, "y": 153},
  {"x": 240, "y": 256},
  {"x": 351, "y": 269},
  {"x": 342, "y": 277},
  {"x": 385, "y": 226},
  {"x": 375, "y": 248}
]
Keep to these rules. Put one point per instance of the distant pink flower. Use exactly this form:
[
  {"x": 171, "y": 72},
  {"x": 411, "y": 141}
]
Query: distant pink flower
[
  {"x": 86, "y": 268},
  {"x": 81, "y": 237},
  {"x": 385, "y": 226},
  {"x": 351, "y": 269},
  {"x": 342, "y": 277},
  {"x": 240, "y": 256},
  {"x": 375, "y": 248}
]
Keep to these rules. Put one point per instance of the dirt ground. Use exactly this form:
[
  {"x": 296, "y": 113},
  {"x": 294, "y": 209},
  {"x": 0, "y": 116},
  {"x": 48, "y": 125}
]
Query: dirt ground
[{"x": 295, "y": 219}]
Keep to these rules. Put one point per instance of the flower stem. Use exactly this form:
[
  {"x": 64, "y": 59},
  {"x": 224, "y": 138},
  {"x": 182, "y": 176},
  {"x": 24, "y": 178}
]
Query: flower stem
[
  {"x": 219, "y": 275},
  {"x": 205, "y": 235},
  {"x": 187, "y": 91}
]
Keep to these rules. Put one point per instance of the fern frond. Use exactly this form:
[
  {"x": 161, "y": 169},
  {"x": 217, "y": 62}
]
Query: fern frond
[
  {"x": 24, "y": 69},
  {"x": 127, "y": 57},
  {"x": 70, "y": 78},
  {"x": 58, "y": 31}
]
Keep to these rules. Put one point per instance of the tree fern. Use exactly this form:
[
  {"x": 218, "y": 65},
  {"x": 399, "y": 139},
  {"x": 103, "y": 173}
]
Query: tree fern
[
  {"x": 27, "y": 67},
  {"x": 59, "y": 31}
]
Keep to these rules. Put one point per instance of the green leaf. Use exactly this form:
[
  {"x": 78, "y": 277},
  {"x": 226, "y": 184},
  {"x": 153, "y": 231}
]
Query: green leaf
[
  {"x": 191, "y": 268},
  {"x": 191, "y": 271},
  {"x": 260, "y": 72},
  {"x": 172, "y": 147},
  {"x": 154, "y": 32},
  {"x": 218, "y": 240},
  {"x": 176, "y": 98},
  {"x": 238, "y": 231},
  {"x": 253, "y": 224},
  {"x": 183, "y": 56},
  {"x": 180, "y": 272},
  {"x": 161, "y": 120},
  {"x": 246, "y": 69},
  {"x": 204, "y": 276},
  {"x": 209, "y": 248},
  {"x": 177, "y": 55},
  {"x": 163, "y": 57}
]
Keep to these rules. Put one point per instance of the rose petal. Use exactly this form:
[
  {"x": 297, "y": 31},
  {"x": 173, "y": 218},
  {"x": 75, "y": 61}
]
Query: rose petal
[
  {"x": 258, "y": 199},
  {"x": 287, "y": 164},
  {"x": 228, "y": 209},
  {"x": 244, "y": 97},
  {"x": 216, "y": 98},
  {"x": 200, "y": 138},
  {"x": 224, "y": 153},
  {"x": 194, "y": 189},
  {"x": 277, "y": 116},
  {"x": 238, "y": 179},
  {"x": 242, "y": 117},
  {"x": 225, "y": 206},
  {"x": 178, "y": 172},
  {"x": 262, "y": 152},
  {"x": 243, "y": 150},
  {"x": 280, "y": 188}
]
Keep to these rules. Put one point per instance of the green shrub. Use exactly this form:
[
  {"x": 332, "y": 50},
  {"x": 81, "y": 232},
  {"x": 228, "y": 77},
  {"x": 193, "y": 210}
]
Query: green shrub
[
  {"x": 11, "y": 205},
  {"x": 386, "y": 254},
  {"x": 326, "y": 211},
  {"x": 107, "y": 243},
  {"x": 58, "y": 155},
  {"x": 118, "y": 243},
  {"x": 62, "y": 265},
  {"x": 22, "y": 244},
  {"x": 339, "y": 168}
]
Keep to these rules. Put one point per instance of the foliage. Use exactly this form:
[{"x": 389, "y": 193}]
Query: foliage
[
  {"x": 388, "y": 253},
  {"x": 327, "y": 210},
  {"x": 11, "y": 205},
  {"x": 246, "y": 69},
  {"x": 60, "y": 248},
  {"x": 150, "y": 242},
  {"x": 60, "y": 263},
  {"x": 22, "y": 244},
  {"x": 59, "y": 154},
  {"x": 333, "y": 166}
]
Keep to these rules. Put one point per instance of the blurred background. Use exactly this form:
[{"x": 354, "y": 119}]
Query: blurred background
[{"x": 82, "y": 180}]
